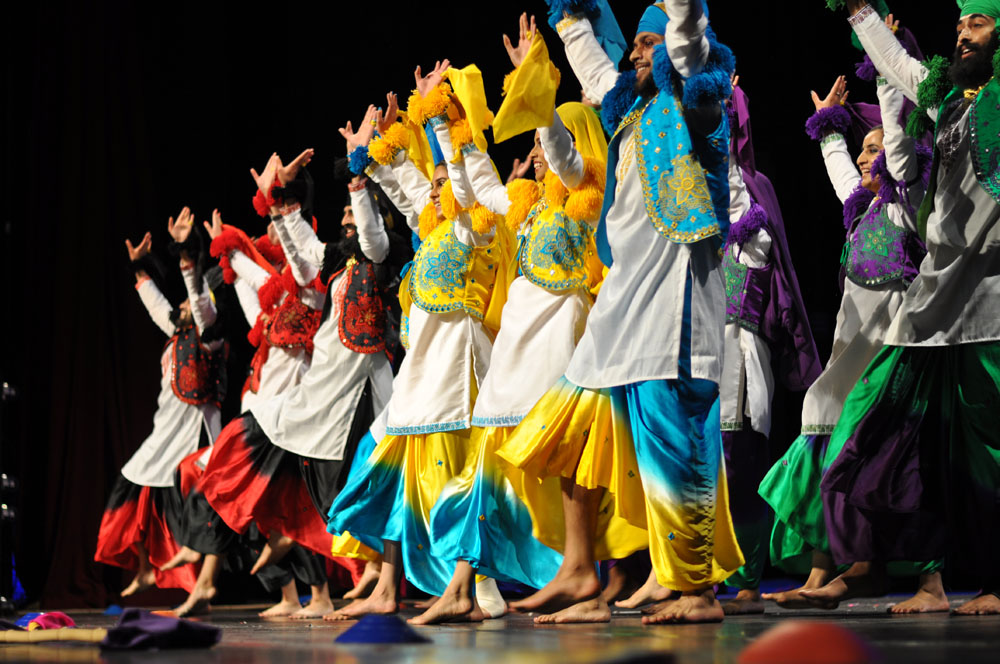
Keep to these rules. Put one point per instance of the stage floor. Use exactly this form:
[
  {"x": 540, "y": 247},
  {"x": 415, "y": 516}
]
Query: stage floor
[{"x": 246, "y": 638}]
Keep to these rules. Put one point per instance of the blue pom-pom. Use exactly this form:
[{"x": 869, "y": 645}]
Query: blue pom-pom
[
  {"x": 559, "y": 8},
  {"x": 358, "y": 160},
  {"x": 617, "y": 101},
  {"x": 663, "y": 68},
  {"x": 713, "y": 84}
]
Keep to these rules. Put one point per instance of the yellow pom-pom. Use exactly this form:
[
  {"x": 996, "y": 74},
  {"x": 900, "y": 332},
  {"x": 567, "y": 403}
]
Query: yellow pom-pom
[
  {"x": 382, "y": 151},
  {"x": 585, "y": 201},
  {"x": 555, "y": 190},
  {"x": 397, "y": 135},
  {"x": 461, "y": 134},
  {"x": 449, "y": 206},
  {"x": 483, "y": 219},
  {"x": 522, "y": 194},
  {"x": 436, "y": 102},
  {"x": 415, "y": 109},
  {"x": 429, "y": 220}
]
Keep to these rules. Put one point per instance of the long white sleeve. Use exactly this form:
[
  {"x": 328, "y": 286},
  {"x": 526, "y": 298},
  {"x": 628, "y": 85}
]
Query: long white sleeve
[
  {"x": 900, "y": 157},
  {"x": 247, "y": 269},
  {"x": 844, "y": 175},
  {"x": 561, "y": 155},
  {"x": 756, "y": 251},
  {"x": 685, "y": 37},
  {"x": 386, "y": 179},
  {"x": 249, "y": 302},
  {"x": 592, "y": 66},
  {"x": 488, "y": 188},
  {"x": 371, "y": 232},
  {"x": 414, "y": 184},
  {"x": 460, "y": 184},
  {"x": 903, "y": 71},
  {"x": 739, "y": 198},
  {"x": 304, "y": 264},
  {"x": 156, "y": 304},
  {"x": 202, "y": 309}
]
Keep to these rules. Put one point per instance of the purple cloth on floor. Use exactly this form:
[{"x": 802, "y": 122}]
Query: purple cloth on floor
[
  {"x": 785, "y": 323},
  {"x": 142, "y": 630}
]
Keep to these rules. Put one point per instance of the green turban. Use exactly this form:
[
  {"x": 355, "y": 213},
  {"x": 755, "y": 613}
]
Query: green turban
[{"x": 989, "y": 8}]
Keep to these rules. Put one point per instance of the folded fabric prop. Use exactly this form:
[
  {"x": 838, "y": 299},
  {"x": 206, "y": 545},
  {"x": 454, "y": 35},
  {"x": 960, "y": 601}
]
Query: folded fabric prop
[{"x": 381, "y": 629}]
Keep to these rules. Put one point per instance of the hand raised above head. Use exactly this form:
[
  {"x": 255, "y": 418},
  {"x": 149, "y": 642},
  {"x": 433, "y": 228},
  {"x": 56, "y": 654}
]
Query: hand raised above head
[
  {"x": 215, "y": 228},
  {"x": 526, "y": 33},
  {"x": 265, "y": 179},
  {"x": 364, "y": 133},
  {"x": 288, "y": 173},
  {"x": 386, "y": 120},
  {"x": 837, "y": 95},
  {"x": 427, "y": 83},
  {"x": 145, "y": 247},
  {"x": 180, "y": 230}
]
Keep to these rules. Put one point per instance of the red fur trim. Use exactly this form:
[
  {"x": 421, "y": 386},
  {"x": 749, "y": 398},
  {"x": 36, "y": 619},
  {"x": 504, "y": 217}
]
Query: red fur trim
[
  {"x": 320, "y": 285},
  {"x": 233, "y": 239},
  {"x": 288, "y": 281},
  {"x": 263, "y": 204},
  {"x": 256, "y": 333},
  {"x": 270, "y": 293},
  {"x": 274, "y": 253},
  {"x": 315, "y": 224},
  {"x": 228, "y": 273}
]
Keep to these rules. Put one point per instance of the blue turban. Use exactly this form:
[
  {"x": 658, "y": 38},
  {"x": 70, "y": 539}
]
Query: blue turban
[{"x": 654, "y": 20}]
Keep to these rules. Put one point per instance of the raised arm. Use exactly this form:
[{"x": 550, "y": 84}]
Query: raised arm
[
  {"x": 249, "y": 302},
  {"x": 202, "y": 310},
  {"x": 486, "y": 184},
  {"x": 685, "y": 40},
  {"x": 900, "y": 157},
  {"x": 899, "y": 68},
  {"x": 591, "y": 65},
  {"x": 560, "y": 153},
  {"x": 303, "y": 250},
  {"x": 371, "y": 231},
  {"x": 156, "y": 304},
  {"x": 825, "y": 127}
]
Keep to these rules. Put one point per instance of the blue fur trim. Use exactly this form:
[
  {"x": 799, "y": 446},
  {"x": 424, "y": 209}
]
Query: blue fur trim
[
  {"x": 557, "y": 9},
  {"x": 663, "y": 68},
  {"x": 748, "y": 225},
  {"x": 358, "y": 160},
  {"x": 617, "y": 101},
  {"x": 713, "y": 84}
]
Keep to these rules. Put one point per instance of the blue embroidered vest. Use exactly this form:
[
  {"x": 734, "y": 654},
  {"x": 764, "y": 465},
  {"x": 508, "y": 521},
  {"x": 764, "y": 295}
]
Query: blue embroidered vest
[{"x": 685, "y": 185}]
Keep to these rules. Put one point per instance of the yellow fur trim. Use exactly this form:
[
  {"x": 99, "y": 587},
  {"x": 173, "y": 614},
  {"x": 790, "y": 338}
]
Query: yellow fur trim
[
  {"x": 555, "y": 191},
  {"x": 414, "y": 109},
  {"x": 585, "y": 201},
  {"x": 449, "y": 206},
  {"x": 461, "y": 135},
  {"x": 522, "y": 194},
  {"x": 384, "y": 149},
  {"x": 483, "y": 219},
  {"x": 421, "y": 109},
  {"x": 429, "y": 220}
]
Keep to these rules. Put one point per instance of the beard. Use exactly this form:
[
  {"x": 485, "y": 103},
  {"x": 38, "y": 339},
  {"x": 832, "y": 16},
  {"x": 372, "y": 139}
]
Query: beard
[
  {"x": 975, "y": 70},
  {"x": 646, "y": 87}
]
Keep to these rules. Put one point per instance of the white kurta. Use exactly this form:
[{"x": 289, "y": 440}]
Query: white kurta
[
  {"x": 314, "y": 418},
  {"x": 633, "y": 332},
  {"x": 956, "y": 297},
  {"x": 177, "y": 425}
]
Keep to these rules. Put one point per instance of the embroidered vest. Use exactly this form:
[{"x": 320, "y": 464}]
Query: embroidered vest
[
  {"x": 875, "y": 252},
  {"x": 293, "y": 324},
  {"x": 362, "y": 312},
  {"x": 555, "y": 250},
  {"x": 448, "y": 275},
  {"x": 681, "y": 202},
  {"x": 199, "y": 375},
  {"x": 748, "y": 292}
]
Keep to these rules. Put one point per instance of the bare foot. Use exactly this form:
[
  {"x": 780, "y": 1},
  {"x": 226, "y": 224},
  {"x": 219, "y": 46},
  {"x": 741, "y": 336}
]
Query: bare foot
[
  {"x": 425, "y": 604},
  {"x": 186, "y": 556},
  {"x": 651, "y": 591},
  {"x": 376, "y": 604},
  {"x": 280, "y": 610},
  {"x": 366, "y": 584},
  {"x": 793, "y": 599},
  {"x": 986, "y": 604},
  {"x": 316, "y": 608},
  {"x": 144, "y": 580},
  {"x": 746, "y": 602},
  {"x": 860, "y": 580},
  {"x": 692, "y": 607},
  {"x": 570, "y": 587},
  {"x": 594, "y": 610},
  {"x": 273, "y": 551},
  {"x": 620, "y": 584},
  {"x": 922, "y": 602},
  {"x": 197, "y": 602},
  {"x": 450, "y": 607}
]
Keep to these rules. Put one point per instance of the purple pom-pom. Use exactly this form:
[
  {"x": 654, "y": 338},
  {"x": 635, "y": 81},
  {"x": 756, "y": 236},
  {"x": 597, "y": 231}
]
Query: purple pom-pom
[
  {"x": 747, "y": 226},
  {"x": 826, "y": 120},
  {"x": 856, "y": 204},
  {"x": 865, "y": 70}
]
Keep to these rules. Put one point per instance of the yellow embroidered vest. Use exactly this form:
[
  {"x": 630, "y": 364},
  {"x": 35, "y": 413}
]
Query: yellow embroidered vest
[{"x": 556, "y": 251}]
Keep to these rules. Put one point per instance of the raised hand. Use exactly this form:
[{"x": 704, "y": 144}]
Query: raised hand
[
  {"x": 837, "y": 95},
  {"x": 287, "y": 173},
  {"x": 266, "y": 179},
  {"x": 854, "y": 6},
  {"x": 526, "y": 32},
  {"x": 365, "y": 131},
  {"x": 383, "y": 122},
  {"x": 427, "y": 83},
  {"x": 215, "y": 228},
  {"x": 892, "y": 23},
  {"x": 181, "y": 229},
  {"x": 519, "y": 169},
  {"x": 145, "y": 247}
]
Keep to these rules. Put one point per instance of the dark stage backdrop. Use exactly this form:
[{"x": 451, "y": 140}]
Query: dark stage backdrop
[{"x": 118, "y": 114}]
